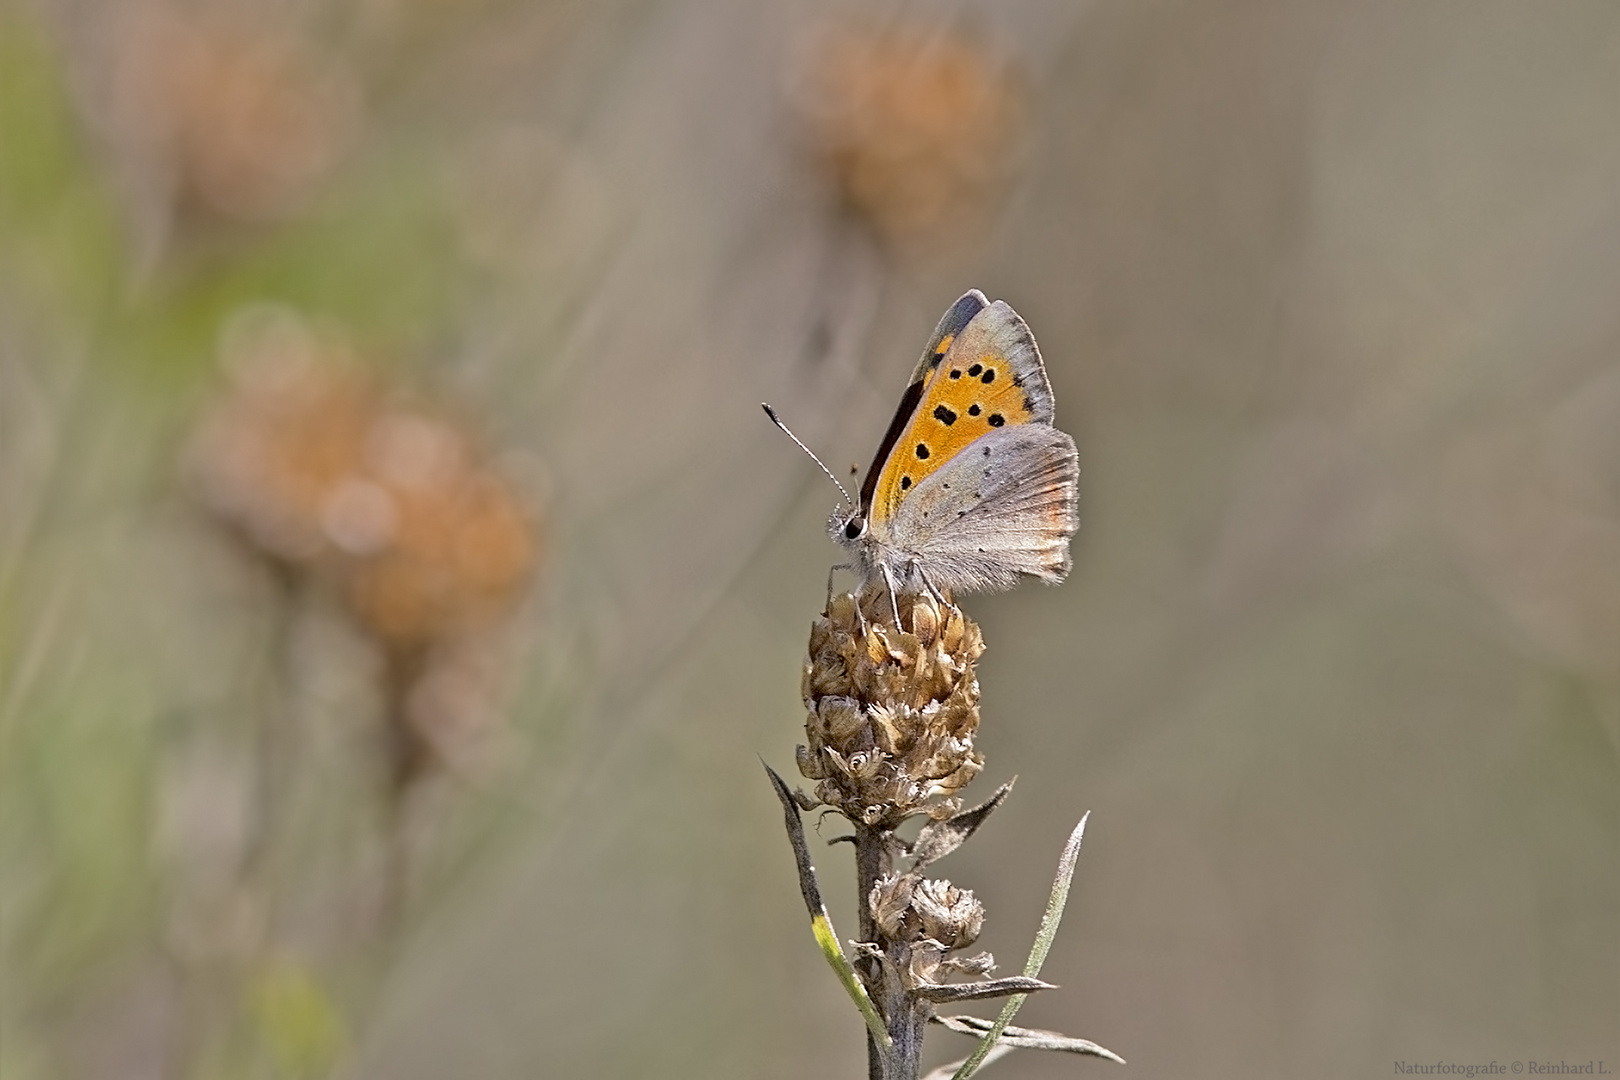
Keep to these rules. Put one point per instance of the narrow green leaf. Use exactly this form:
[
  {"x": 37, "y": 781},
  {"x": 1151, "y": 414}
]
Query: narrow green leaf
[
  {"x": 822, "y": 928},
  {"x": 820, "y": 924},
  {"x": 1037, "y": 953}
]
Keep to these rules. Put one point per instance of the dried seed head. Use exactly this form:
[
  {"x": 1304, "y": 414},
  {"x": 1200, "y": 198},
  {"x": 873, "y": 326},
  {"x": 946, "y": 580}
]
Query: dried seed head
[
  {"x": 244, "y": 116},
  {"x": 397, "y": 506},
  {"x": 394, "y": 508},
  {"x": 917, "y": 125},
  {"x": 892, "y": 710},
  {"x": 276, "y": 458}
]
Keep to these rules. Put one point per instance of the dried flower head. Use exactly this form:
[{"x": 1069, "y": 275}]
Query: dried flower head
[
  {"x": 396, "y": 505},
  {"x": 274, "y": 457},
  {"x": 892, "y": 711},
  {"x": 243, "y": 117},
  {"x": 919, "y": 126},
  {"x": 392, "y": 506}
]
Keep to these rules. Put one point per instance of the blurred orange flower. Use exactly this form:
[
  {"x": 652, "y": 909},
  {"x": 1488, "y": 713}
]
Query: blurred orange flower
[
  {"x": 243, "y": 118},
  {"x": 396, "y": 504},
  {"x": 919, "y": 127}
]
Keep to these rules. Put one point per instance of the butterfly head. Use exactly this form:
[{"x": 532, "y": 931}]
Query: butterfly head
[
  {"x": 846, "y": 525},
  {"x": 851, "y": 529}
]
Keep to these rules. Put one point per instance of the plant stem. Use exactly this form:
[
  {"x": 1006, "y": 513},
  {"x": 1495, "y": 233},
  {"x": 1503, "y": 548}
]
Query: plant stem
[{"x": 904, "y": 1014}]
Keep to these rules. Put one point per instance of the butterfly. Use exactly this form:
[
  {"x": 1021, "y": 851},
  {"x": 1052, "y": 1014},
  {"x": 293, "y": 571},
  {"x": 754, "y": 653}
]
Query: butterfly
[{"x": 972, "y": 485}]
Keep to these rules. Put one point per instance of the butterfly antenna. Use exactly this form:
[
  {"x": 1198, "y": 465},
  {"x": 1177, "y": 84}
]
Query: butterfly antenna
[{"x": 777, "y": 420}]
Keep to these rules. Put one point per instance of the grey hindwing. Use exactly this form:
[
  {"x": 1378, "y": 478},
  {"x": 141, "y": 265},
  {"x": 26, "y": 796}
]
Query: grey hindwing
[{"x": 1005, "y": 505}]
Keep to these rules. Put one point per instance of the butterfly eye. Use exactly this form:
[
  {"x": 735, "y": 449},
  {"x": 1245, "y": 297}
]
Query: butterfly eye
[{"x": 854, "y": 527}]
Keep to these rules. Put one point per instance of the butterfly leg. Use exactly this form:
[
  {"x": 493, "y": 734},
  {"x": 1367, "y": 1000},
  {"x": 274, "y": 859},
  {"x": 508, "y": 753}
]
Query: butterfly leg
[
  {"x": 894, "y": 604},
  {"x": 928, "y": 583},
  {"x": 933, "y": 590},
  {"x": 830, "y": 572},
  {"x": 860, "y": 616}
]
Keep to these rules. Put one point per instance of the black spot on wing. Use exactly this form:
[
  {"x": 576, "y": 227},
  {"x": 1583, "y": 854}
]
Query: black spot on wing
[
  {"x": 974, "y": 409},
  {"x": 988, "y": 377},
  {"x": 956, "y": 373},
  {"x": 995, "y": 420},
  {"x": 922, "y": 451},
  {"x": 975, "y": 369},
  {"x": 944, "y": 415},
  {"x": 905, "y": 483}
]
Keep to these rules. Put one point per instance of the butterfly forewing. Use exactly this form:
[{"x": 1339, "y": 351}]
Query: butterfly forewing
[
  {"x": 987, "y": 376},
  {"x": 950, "y": 325}
]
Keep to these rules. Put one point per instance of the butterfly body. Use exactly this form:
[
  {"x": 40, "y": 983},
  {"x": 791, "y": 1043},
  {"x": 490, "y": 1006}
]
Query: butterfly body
[{"x": 972, "y": 484}]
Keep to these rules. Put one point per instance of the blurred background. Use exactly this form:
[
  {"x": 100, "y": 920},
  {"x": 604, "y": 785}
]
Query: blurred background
[{"x": 399, "y": 585}]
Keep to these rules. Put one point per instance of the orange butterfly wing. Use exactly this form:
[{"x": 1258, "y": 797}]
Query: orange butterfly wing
[{"x": 986, "y": 376}]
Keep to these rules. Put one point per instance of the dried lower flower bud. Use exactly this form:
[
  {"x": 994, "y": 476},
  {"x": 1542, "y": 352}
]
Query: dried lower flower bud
[
  {"x": 951, "y": 916},
  {"x": 920, "y": 921},
  {"x": 909, "y": 908},
  {"x": 892, "y": 711}
]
